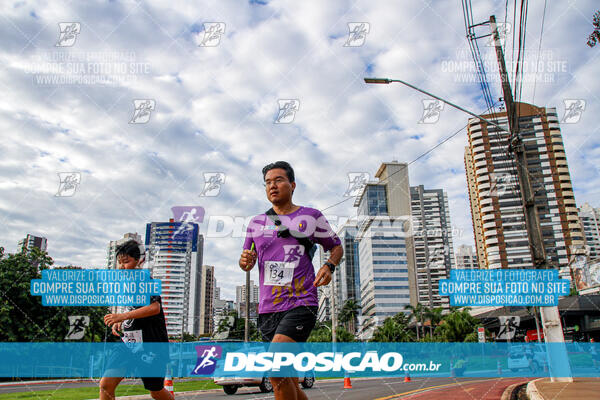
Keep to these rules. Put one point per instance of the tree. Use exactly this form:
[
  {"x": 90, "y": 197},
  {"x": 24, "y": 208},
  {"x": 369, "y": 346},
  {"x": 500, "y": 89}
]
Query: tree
[
  {"x": 322, "y": 333},
  {"x": 349, "y": 315},
  {"x": 23, "y": 317},
  {"x": 458, "y": 326},
  {"x": 595, "y": 35},
  {"x": 417, "y": 313},
  {"x": 394, "y": 329},
  {"x": 434, "y": 316}
]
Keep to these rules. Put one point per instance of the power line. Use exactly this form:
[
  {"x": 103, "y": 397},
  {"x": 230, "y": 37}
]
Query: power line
[
  {"x": 537, "y": 62},
  {"x": 409, "y": 163}
]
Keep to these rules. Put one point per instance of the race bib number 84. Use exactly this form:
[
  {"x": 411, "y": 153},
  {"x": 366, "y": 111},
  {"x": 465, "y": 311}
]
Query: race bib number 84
[{"x": 278, "y": 273}]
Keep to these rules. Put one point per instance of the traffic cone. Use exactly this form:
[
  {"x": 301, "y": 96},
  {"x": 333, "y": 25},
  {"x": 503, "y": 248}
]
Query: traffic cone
[
  {"x": 347, "y": 383},
  {"x": 407, "y": 377},
  {"x": 169, "y": 384}
]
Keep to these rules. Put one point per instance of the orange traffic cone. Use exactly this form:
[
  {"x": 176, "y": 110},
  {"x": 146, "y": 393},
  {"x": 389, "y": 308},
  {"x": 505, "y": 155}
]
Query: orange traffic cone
[
  {"x": 169, "y": 384},
  {"x": 347, "y": 383},
  {"x": 407, "y": 377}
]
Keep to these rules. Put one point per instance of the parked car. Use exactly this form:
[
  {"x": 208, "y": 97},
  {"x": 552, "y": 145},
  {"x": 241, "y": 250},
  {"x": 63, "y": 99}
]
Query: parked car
[
  {"x": 521, "y": 357},
  {"x": 231, "y": 384}
]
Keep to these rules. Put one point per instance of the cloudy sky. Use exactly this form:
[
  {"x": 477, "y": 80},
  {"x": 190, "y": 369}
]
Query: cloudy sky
[{"x": 213, "y": 77}]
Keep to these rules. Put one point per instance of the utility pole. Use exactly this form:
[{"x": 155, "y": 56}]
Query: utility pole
[
  {"x": 247, "y": 320},
  {"x": 333, "y": 313},
  {"x": 551, "y": 323}
]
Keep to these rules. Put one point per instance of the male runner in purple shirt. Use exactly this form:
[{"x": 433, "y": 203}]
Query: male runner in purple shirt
[{"x": 283, "y": 244}]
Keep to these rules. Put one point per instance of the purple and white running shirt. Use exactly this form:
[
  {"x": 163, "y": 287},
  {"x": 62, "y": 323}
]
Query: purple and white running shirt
[{"x": 286, "y": 273}]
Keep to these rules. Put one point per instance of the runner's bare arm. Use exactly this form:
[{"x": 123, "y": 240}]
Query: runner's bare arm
[
  {"x": 324, "y": 275},
  {"x": 142, "y": 312}
]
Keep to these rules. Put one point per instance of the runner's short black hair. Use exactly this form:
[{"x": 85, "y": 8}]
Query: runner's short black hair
[
  {"x": 280, "y": 164},
  {"x": 130, "y": 248}
]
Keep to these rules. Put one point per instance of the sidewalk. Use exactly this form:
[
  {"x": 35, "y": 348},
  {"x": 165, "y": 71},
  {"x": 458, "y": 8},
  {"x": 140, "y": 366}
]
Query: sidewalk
[{"x": 579, "y": 389}]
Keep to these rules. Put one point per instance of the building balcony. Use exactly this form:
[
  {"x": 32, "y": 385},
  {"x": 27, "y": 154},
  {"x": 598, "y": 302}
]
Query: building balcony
[
  {"x": 491, "y": 232},
  {"x": 483, "y": 178},
  {"x": 489, "y": 225},
  {"x": 487, "y": 209}
]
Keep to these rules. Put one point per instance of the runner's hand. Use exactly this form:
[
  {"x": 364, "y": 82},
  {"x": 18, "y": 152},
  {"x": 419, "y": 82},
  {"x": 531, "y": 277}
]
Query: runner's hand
[
  {"x": 247, "y": 260},
  {"x": 116, "y": 328},
  {"x": 110, "y": 319},
  {"x": 323, "y": 276}
]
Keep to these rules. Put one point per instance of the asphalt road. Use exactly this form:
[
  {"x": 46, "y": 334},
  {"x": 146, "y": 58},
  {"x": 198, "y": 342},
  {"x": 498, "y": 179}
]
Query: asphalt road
[{"x": 362, "y": 388}]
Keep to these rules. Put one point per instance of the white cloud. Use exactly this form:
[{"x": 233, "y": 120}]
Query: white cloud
[{"x": 215, "y": 108}]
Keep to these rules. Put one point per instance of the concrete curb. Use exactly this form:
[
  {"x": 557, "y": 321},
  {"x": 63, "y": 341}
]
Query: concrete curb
[
  {"x": 532, "y": 391},
  {"x": 507, "y": 394}
]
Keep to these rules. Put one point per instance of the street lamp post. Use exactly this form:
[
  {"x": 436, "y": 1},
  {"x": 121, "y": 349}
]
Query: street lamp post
[{"x": 550, "y": 315}]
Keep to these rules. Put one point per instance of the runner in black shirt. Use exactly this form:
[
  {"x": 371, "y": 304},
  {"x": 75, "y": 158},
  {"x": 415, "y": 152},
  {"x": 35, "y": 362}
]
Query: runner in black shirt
[{"x": 139, "y": 325}]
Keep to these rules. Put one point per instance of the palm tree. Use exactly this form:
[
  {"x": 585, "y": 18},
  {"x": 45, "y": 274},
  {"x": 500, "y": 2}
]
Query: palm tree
[
  {"x": 416, "y": 313},
  {"x": 434, "y": 316},
  {"x": 458, "y": 326},
  {"x": 349, "y": 314},
  {"x": 394, "y": 329}
]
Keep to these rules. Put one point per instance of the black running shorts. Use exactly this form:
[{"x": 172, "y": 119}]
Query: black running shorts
[{"x": 296, "y": 323}]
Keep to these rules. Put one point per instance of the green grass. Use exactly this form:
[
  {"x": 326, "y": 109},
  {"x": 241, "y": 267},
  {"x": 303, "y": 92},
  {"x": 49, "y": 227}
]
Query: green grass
[{"x": 92, "y": 392}]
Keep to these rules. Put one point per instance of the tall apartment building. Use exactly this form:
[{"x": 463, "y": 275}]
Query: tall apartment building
[
  {"x": 386, "y": 251},
  {"x": 434, "y": 250},
  {"x": 475, "y": 211},
  {"x": 207, "y": 296},
  {"x": 348, "y": 271},
  {"x": 31, "y": 241},
  {"x": 174, "y": 253},
  {"x": 240, "y": 295},
  {"x": 111, "y": 257},
  {"x": 325, "y": 292},
  {"x": 590, "y": 221},
  {"x": 465, "y": 258},
  {"x": 496, "y": 206}
]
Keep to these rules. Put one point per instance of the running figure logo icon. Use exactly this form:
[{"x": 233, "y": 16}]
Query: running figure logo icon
[
  {"x": 68, "y": 33},
  {"x": 212, "y": 184},
  {"x": 212, "y": 34},
  {"x": 187, "y": 215},
  {"x": 77, "y": 323},
  {"x": 508, "y": 327},
  {"x": 293, "y": 252},
  {"x": 356, "y": 182},
  {"x": 207, "y": 359},
  {"x": 431, "y": 111},
  {"x": 357, "y": 33},
  {"x": 287, "y": 110},
  {"x": 142, "y": 110},
  {"x": 69, "y": 182},
  {"x": 573, "y": 110}
]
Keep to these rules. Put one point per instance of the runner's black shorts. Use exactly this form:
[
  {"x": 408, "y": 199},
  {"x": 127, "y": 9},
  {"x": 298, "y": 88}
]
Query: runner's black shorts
[
  {"x": 122, "y": 363},
  {"x": 297, "y": 323}
]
